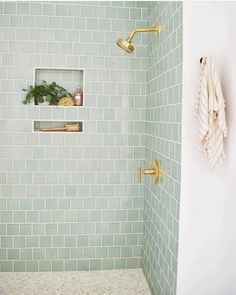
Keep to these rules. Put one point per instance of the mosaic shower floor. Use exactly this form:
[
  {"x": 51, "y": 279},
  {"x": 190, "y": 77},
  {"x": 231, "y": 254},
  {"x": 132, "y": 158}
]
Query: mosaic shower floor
[{"x": 110, "y": 282}]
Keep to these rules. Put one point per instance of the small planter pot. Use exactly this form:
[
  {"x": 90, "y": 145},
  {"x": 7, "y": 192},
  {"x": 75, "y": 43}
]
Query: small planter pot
[
  {"x": 44, "y": 103},
  {"x": 31, "y": 103}
]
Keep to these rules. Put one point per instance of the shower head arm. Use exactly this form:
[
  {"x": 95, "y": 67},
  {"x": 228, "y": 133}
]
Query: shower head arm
[
  {"x": 126, "y": 45},
  {"x": 143, "y": 30}
]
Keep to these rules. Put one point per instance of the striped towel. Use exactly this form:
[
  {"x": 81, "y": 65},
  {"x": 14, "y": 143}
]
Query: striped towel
[{"x": 210, "y": 108}]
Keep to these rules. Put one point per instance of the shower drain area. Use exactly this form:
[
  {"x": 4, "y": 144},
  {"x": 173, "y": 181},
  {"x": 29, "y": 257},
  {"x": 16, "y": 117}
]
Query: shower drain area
[{"x": 109, "y": 282}]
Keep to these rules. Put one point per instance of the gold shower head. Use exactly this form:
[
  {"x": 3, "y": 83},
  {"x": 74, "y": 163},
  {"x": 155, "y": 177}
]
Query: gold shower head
[{"x": 126, "y": 45}]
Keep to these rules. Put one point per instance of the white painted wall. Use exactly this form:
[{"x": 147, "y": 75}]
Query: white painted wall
[{"x": 207, "y": 242}]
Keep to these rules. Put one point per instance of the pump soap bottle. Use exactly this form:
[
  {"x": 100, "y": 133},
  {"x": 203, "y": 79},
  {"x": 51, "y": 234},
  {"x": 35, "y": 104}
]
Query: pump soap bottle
[{"x": 78, "y": 97}]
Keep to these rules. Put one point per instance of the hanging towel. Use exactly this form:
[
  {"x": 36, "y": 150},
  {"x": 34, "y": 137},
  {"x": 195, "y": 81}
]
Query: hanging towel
[{"x": 210, "y": 108}]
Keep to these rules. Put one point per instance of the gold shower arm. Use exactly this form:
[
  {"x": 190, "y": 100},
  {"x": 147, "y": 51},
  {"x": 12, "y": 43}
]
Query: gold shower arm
[
  {"x": 126, "y": 45},
  {"x": 143, "y": 30}
]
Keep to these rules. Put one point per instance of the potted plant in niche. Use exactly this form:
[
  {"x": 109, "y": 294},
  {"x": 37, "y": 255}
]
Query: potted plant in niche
[{"x": 45, "y": 94}]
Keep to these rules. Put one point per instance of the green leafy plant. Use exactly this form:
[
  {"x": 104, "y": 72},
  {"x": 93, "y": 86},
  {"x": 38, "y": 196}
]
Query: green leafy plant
[{"x": 45, "y": 92}]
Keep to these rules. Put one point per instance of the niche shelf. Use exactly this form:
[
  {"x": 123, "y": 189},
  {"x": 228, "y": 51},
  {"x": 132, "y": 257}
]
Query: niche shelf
[
  {"x": 69, "y": 78},
  {"x": 57, "y": 126}
]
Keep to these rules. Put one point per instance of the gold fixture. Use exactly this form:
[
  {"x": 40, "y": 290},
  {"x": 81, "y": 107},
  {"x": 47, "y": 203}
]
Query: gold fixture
[
  {"x": 155, "y": 171},
  {"x": 126, "y": 45}
]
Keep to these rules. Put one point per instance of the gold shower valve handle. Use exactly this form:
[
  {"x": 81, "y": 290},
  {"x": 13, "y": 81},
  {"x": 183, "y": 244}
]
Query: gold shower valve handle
[
  {"x": 155, "y": 171},
  {"x": 159, "y": 28}
]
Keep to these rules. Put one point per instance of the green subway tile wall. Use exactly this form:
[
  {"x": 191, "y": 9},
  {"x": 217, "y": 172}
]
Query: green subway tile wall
[
  {"x": 163, "y": 142},
  {"x": 70, "y": 201}
]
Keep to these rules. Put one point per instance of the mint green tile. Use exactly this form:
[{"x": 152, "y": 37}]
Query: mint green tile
[
  {"x": 38, "y": 229},
  {"x": 70, "y": 265},
  {"x": 3, "y": 229},
  {"x": 16, "y": 21},
  {"x": 76, "y": 228},
  {"x": 9, "y": 8},
  {"x": 39, "y": 204},
  {"x": 101, "y": 252},
  {"x": 126, "y": 251},
  {"x": 70, "y": 216},
  {"x": 57, "y": 216},
  {"x": 35, "y": 8},
  {"x": 32, "y": 266},
  {"x": 108, "y": 215},
  {"x": 113, "y": 228},
  {"x": 3, "y": 254},
  {"x": 95, "y": 240},
  {"x": 89, "y": 228},
  {"x": 107, "y": 240},
  {"x": 12, "y": 229},
  {"x": 137, "y": 227},
  {"x": 82, "y": 264},
  {"x": 45, "y": 216},
  {"x": 82, "y": 240},
  {"x": 58, "y": 241},
  {"x": 19, "y": 242},
  {"x": 123, "y": 13},
  {"x": 89, "y": 252},
  {"x": 64, "y": 203},
  {"x": 76, "y": 253},
  {"x": 70, "y": 241},
  {"x": 38, "y": 254},
  {"x": 19, "y": 266},
  {"x": 132, "y": 239},
  {"x": 51, "y": 253},
  {"x": 26, "y": 254},
  {"x": 32, "y": 216},
  {"x": 120, "y": 263},
  {"x": 132, "y": 215},
  {"x": 23, "y": 8},
  {"x": 107, "y": 264},
  {"x": 95, "y": 264},
  {"x": 61, "y": 10},
  {"x": 6, "y": 242},
  {"x": 70, "y": 190},
  {"x": 120, "y": 215},
  {"x": 25, "y": 229},
  {"x": 6, "y": 216},
  {"x": 111, "y": 12},
  {"x": 63, "y": 229},
  {"x": 45, "y": 241},
  {"x": 13, "y": 254},
  {"x": 51, "y": 204},
  {"x": 101, "y": 228},
  {"x": 83, "y": 216},
  {"x": 86, "y": 11},
  {"x": 114, "y": 252},
  {"x": 32, "y": 241},
  {"x": 95, "y": 216},
  {"x": 132, "y": 263},
  {"x": 45, "y": 265},
  {"x": 6, "y": 266},
  {"x": 120, "y": 239},
  {"x": 64, "y": 253},
  {"x": 48, "y": 9}
]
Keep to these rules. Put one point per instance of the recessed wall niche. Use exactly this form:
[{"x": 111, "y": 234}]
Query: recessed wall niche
[
  {"x": 58, "y": 126},
  {"x": 71, "y": 79}
]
